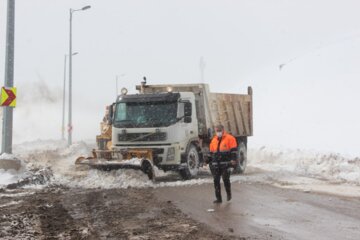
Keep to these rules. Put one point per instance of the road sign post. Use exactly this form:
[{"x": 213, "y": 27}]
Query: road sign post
[
  {"x": 7, "y": 91},
  {"x": 9, "y": 77}
]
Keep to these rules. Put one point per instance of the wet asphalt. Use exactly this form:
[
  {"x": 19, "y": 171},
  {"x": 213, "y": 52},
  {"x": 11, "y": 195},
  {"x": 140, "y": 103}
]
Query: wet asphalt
[{"x": 262, "y": 211}]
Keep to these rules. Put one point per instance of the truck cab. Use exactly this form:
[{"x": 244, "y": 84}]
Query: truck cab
[{"x": 164, "y": 123}]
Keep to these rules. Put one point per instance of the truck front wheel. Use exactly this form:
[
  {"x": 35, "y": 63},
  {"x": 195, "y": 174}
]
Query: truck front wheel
[{"x": 192, "y": 163}]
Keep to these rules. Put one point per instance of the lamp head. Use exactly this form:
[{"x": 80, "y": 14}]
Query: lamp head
[
  {"x": 86, "y": 7},
  {"x": 124, "y": 91}
]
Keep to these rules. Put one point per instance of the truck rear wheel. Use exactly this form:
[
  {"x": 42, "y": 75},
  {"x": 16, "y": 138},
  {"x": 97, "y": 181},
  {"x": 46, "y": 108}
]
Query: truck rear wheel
[
  {"x": 192, "y": 163},
  {"x": 241, "y": 158}
]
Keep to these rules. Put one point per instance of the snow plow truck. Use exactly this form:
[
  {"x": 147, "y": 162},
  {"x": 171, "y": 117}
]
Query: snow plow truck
[{"x": 170, "y": 126}]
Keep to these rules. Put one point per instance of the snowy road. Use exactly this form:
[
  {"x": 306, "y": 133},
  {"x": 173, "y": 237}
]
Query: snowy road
[{"x": 261, "y": 211}]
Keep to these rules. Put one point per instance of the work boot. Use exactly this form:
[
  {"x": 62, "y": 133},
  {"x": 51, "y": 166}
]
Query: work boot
[
  {"x": 229, "y": 197},
  {"x": 217, "y": 201}
]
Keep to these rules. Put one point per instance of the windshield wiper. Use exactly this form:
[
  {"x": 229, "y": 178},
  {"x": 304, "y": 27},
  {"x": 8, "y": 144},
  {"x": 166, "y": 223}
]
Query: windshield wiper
[{"x": 126, "y": 121}]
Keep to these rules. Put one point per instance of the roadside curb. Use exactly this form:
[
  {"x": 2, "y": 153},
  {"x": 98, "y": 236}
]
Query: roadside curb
[{"x": 10, "y": 164}]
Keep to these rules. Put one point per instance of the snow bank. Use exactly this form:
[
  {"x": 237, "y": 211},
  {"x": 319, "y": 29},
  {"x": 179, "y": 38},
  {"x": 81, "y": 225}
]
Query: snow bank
[
  {"x": 101, "y": 179},
  {"x": 6, "y": 156},
  {"x": 7, "y": 177},
  {"x": 11, "y": 175},
  {"x": 37, "y": 158},
  {"x": 133, "y": 161},
  {"x": 329, "y": 166},
  {"x": 53, "y": 162}
]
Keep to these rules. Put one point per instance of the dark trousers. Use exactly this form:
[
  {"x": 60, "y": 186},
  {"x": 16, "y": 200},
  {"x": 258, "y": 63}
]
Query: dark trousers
[{"x": 217, "y": 173}]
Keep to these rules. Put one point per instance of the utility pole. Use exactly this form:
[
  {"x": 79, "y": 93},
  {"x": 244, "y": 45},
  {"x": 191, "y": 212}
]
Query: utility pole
[{"x": 7, "y": 129}]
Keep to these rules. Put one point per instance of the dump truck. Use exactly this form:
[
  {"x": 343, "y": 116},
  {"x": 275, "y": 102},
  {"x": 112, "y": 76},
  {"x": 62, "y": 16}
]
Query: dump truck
[{"x": 170, "y": 126}]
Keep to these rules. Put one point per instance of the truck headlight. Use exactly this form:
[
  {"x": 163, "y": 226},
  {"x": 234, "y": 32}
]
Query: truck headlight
[{"x": 170, "y": 154}]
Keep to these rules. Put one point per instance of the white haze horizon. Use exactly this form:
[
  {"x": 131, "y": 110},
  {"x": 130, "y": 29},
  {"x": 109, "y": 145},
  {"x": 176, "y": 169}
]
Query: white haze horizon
[{"x": 300, "y": 57}]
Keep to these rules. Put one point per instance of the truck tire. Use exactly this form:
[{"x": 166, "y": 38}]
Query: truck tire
[
  {"x": 192, "y": 163},
  {"x": 241, "y": 158}
]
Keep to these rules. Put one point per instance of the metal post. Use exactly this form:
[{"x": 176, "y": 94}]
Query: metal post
[
  {"x": 63, "y": 109},
  {"x": 70, "y": 127},
  {"x": 70, "y": 83},
  {"x": 6, "y": 146}
]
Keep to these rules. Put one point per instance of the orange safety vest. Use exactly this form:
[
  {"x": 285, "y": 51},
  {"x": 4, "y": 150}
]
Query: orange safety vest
[{"x": 227, "y": 145}]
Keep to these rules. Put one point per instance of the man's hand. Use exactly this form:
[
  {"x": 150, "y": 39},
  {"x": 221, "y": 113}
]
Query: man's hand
[{"x": 233, "y": 162}]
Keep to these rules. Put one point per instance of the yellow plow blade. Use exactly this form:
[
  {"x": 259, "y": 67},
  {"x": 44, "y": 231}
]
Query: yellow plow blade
[{"x": 108, "y": 160}]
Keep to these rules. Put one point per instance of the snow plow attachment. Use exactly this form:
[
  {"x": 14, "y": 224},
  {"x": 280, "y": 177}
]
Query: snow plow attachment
[{"x": 107, "y": 160}]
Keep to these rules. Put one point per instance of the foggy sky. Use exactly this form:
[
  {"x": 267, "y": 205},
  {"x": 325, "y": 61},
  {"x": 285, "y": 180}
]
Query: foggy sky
[{"x": 308, "y": 102}]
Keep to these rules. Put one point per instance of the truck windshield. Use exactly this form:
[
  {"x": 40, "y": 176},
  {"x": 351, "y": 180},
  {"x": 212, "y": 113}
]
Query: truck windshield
[{"x": 145, "y": 114}]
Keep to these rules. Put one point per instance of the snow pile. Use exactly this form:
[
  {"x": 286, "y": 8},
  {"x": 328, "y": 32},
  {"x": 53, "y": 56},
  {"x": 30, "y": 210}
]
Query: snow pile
[
  {"x": 10, "y": 176},
  {"x": 7, "y": 156},
  {"x": 181, "y": 183},
  {"x": 28, "y": 147},
  {"x": 93, "y": 178},
  {"x": 7, "y": 177},
  {"x": 53, "y": 163},
  {"x": 38, "y": 159},
  {"x": 330, "y": 166},
  {"x": 133, "y": 161}
]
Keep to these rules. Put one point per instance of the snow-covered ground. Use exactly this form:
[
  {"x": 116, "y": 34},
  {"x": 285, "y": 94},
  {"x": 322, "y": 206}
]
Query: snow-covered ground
[
  {"x": 305, "y": 170},
  {"x": 7, "y": 177},
  {"x": 329, "y": 166}
]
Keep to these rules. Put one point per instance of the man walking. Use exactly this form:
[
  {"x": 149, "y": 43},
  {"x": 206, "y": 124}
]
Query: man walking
[{"x": 223, "y": 148}]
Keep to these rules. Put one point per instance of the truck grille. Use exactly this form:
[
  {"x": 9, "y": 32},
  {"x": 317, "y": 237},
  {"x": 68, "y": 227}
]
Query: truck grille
[
  {"x": 156, "y": 152},
  {"x": 142, "y": 137}
]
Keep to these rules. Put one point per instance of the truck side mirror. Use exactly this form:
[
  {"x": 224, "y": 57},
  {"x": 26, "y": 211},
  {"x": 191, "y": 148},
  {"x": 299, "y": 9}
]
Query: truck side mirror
[
  {"x": 111, "y": 113},
  {"x": 187, "y": 119},
  {"x": 187, "y": 109}
]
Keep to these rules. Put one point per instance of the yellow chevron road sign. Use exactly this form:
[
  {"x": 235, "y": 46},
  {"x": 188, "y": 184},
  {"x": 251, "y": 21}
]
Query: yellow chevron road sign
[{"x": 8, "y": 97}]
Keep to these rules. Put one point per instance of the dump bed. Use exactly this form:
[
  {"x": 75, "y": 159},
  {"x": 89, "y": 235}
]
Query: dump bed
[{"x": 234, "y": 111}]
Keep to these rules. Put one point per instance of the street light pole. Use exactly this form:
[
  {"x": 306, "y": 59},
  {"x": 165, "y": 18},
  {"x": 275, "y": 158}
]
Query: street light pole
[
  {"x": 70, "y": 84},
  {"x": 64, "y": 97},
  {"x": 6, "y": 146},
  {"x": 70, "y": 127}
]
